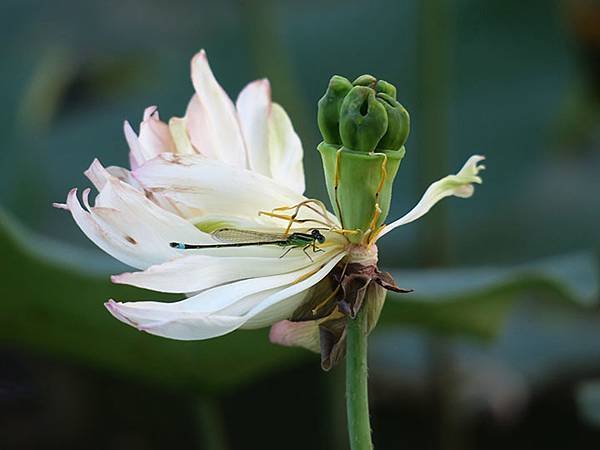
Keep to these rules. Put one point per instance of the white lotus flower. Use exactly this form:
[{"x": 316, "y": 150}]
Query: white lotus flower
[{"x": 218, "y": 167}]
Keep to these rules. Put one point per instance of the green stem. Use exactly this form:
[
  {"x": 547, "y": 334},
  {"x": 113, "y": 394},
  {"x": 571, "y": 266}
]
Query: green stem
[{"x": 357, "y": 396}]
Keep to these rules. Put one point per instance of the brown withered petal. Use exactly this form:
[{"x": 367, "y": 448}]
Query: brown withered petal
[
  {"x": 320, "y": 302},
  {"x": 384, "y": 279},
  {"x": 333, "y": 342},
  {"x": 338, "y": 298},
  {"x": 352, "y": 294}
]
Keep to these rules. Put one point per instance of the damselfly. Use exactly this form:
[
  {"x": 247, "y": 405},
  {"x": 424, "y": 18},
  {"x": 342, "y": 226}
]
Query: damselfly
[{"x": 231, "y": 237}]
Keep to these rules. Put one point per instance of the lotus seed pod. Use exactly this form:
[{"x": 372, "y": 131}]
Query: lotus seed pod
[
  {"x": 363, "y": 120},
  {"x": 328, "y": 116}
]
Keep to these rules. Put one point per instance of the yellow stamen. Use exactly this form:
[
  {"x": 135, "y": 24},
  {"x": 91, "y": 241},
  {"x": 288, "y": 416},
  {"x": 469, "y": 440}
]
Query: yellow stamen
[
  {"x": 377, "y": 208},
  {"x": 374, "y": 236},
  {"x": 336, "y": 184}
]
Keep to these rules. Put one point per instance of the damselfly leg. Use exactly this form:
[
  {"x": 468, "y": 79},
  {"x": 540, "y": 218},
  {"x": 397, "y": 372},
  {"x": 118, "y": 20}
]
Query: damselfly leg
[{"x": 292, "y": 216}]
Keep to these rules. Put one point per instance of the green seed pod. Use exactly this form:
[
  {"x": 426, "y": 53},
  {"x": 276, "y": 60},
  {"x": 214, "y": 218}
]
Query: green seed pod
[
  {"x": 365, "y": 80},
  {"x": 328, "y": 116},
  {"x": 363, "y": 120},
  {"x": 364, "y": 130},
  {"x": 398, "y": 123},
  {"x": 386, "y": 88}
]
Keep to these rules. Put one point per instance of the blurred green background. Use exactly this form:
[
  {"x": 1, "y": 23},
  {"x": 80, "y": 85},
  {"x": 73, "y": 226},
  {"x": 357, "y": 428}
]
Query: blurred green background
[{"x": 499, "y": 346}]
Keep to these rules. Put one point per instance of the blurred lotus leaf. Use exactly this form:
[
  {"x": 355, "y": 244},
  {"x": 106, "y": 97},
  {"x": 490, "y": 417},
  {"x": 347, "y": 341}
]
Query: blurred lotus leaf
[{"x": 477, "y": 300}]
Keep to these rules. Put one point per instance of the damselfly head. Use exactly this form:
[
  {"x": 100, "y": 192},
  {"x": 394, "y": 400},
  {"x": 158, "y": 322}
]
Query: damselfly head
[{"x": 318, "y": 236}]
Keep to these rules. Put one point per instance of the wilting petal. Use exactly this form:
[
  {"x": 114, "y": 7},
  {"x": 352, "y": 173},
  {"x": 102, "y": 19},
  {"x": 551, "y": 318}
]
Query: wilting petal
[
  {"x": 197, "y": 272},
  {"x": 129, "y": 226},
  {"x": 183, "y": 145},
  {"x": 296, "y": 334},
  {"x": 116, "y": 246},
  {"x": 99, "y": 175},
  {"x": 459, "y": 185},
  {"x": 231, "y": 300},
  {"x": 191, "y": 319},
  {"x": 154, "y": 138},
  {"x": 283, "y": 303},
  {"x": 254, "y": 108},
  {"x": 214, "y": 187},
  {"x": 285, "y": 151},
  {"x": 136, "y": 151},
  {"x": 211, "y": 117},
  {"x": 198, "y": 326},
  {"x": 145, "y": 216},
  {"x": 155, "y": 135}
]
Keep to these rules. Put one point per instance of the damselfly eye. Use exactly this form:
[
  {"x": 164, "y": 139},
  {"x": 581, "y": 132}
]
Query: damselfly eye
[{"x": 318, "y": 236}]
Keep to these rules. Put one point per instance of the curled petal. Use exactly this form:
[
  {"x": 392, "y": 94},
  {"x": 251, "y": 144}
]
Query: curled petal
[
  {"x": 211, "y": 117},
  {"x": 459, "y": 185},
  {"x": 181, "y": 140},
  {"x": 254, "y": 108},
  {"x": 154, "y": 138},
  {"x": 99, "y": 175},
  {"x": 127, "y": 225},
  {"x": 115, "y": 245},
  {"x": 191, "y": 319},
  {"x": 296, "y": 334},
  {"x": 213, "y": 186},
  {"x": 197, "y": 272},
  {"x": 136, "y": 151},
  {"x": 199, "y": 326},
  {"x": 285, "y": 151}
]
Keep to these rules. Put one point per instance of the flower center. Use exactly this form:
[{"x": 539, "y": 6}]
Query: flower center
[{"x": 362, "y": 254}]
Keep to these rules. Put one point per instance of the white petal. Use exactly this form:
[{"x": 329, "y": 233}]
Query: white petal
[
  {"x": 123, "y": 208},
  {"x": 154, "y": 136},
  {"x": 285, "y": 151},
  {"x": 254, "y": 108},
  {"x": 232, "y": 299},
  {"x": 192, "y": 327},
  {"x": 190, "y": 320},
  {"x": 296, "y": 334},
  {"x": 283, "y": 303},
  {"x": 129, "y": 226},
  {"x": 196, "y": 272},
  {"x": 119, "y": 248},
  {"x": 211, "y": 118},
  {"x": 136, "y": 152},
  {"x": 214, "y": 187},
  {"x": 97, "y": 174},
  {"x": 459, "y": 185},
  {"x": 282, "y": 309},
  {"x": 183, "y": 145}
]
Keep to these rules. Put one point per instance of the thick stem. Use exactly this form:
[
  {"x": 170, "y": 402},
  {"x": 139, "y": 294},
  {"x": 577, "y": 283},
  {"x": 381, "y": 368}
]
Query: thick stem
[{"x": 357, "y": 397}]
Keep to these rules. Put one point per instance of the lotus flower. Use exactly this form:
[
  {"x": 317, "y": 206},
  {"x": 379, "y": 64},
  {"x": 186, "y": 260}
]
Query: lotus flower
[{"x": 234, "y": 166}]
